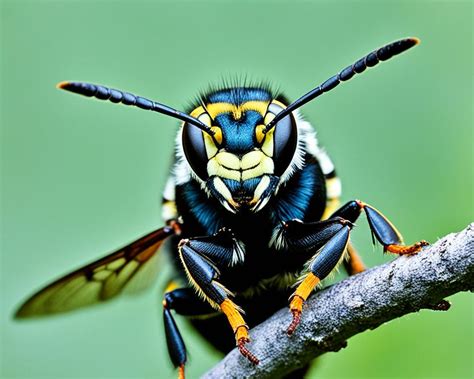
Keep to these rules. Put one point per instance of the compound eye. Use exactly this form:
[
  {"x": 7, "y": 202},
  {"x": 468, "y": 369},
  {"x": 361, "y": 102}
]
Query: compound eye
[
  {"x": 284, "y": 138},
  {"x": 197, "y": 147}
]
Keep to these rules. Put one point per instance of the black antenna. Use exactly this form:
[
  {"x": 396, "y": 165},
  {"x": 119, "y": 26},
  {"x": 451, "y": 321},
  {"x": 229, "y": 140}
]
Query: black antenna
[
  {"x": 382, "y": 54},
  {"x": 116, "y": 96}
]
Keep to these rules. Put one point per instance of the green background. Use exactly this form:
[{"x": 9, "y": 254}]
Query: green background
[{"x": 82, "y": 177}]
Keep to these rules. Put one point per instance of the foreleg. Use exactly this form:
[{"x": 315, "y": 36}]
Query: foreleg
[
  {"x": 202, "y": 259},
  {"x": 319, "y": 267}
]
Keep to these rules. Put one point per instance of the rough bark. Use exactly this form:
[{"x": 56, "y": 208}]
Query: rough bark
[{"x": 358, "y": 303}]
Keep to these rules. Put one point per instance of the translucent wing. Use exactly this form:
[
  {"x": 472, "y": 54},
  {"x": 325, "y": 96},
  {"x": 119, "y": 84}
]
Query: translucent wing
[{"x": 132, "y": 267}]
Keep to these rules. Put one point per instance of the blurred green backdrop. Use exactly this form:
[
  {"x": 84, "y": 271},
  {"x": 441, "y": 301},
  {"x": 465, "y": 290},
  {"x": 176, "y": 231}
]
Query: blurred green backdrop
[{"x": 81, "y": 177}]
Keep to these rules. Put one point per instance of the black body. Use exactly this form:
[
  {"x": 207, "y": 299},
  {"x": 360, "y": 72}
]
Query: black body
[{"x": 251, "y": 211}]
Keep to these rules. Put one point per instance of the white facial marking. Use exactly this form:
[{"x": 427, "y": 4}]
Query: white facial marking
[
  {"x": 261, "y": 204},
  {"x": 224, "y": 191},
  {"x": 262, "y": 186}
]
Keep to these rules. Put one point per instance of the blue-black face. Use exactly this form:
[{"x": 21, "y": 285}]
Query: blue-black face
[{"x": 241, "y": 165}]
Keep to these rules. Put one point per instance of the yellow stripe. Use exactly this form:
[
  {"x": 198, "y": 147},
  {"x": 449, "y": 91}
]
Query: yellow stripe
[
  {"x": 331, "y": 207},
  {"x": 171, "y": 286},
  {"x": 169, "y": 210},
  {"x": 333, "y": 188},
  {"x": 197, "y": 112},
  {"x": 275, "y": 101},
  {"x": 215, "y": 109}
]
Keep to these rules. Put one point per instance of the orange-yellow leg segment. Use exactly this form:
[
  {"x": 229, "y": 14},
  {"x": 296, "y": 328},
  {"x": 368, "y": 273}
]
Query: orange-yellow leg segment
[
  {"x": 354, "y": 264},
  {"x": 382, "y": 229},
  {"x": 299, "y": 297},
  {"x": 406, "y": 249},
  {"x": 240, "y": 329},
  {"x": 181, "y": 372},
  {"x": 319, "y": 267},
  {"x": 386, "y": 233}
]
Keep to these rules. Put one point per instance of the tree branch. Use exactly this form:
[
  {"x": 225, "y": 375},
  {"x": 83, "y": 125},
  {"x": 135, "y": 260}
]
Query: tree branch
[{"x": 358, "y": 303}]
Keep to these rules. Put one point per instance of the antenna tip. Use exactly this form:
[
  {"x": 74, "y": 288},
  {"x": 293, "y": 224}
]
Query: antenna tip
[
  {"x": 415, "y": 40},
  {"x": 63, "y": 85}
]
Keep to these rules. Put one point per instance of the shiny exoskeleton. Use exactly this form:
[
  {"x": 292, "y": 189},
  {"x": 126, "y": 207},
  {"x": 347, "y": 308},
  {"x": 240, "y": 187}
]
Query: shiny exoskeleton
[{"x": 251, "y": 208}]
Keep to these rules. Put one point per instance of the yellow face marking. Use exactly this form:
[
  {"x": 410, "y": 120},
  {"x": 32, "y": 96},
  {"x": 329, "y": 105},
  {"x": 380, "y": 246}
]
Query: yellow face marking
[
  {"x": 268, "y": 118},
  {"x": 275, "y": 101},
  {"x": 215, "y": 109},
  {"x": 228, "y": 160},
  {"x": 211, "y": 148},
  {"x": 259, "y": 133},
  {"x": 265, "y": 167},
  {"x": 204, "y": 118},
  {"x": 229, "y": 166},
  {"x": 251, "y": 159},
  {"x": 215, "y": 169},
  {"x": 267, "y": 146},
  {"x": 217, "y": 134},
  {"x": 197, "y": 112}
]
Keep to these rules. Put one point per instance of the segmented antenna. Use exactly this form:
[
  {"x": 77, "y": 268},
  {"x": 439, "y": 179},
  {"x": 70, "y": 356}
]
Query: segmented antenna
[
  {"x": 382, "y": 54},
  {"x": 116, "y": 96}
]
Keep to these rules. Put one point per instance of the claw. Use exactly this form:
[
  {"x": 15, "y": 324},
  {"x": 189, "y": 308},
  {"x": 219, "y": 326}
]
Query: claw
[
  {"x": 296, "y": 308},
  {"x": 246, "y": 352},
  {"x": 295, "y": 322},
  {"x": 411, "y": 249}
]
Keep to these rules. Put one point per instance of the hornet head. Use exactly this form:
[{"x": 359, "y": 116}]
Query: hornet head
[{"x": 241, "y": 163}]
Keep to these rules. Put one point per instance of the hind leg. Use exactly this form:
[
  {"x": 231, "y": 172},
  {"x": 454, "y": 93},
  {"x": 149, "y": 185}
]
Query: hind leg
[
  {"x": 353, "y": 264},
  {"x": 382, "y": 229},
  {"x": 184, "y": 302}
]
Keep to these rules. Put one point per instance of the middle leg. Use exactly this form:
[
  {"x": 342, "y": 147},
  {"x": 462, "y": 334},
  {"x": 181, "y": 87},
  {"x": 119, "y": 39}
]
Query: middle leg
[{"x": 329, "y": 239}]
